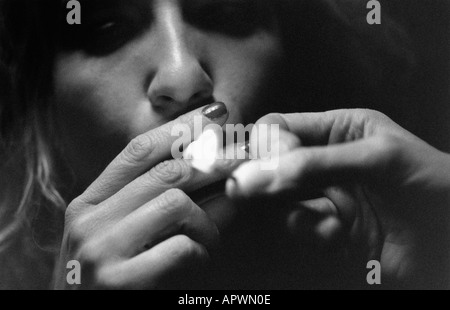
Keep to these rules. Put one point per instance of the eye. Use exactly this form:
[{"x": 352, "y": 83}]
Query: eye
[
  {"x": 107, "y": 26},
  {"x": 233, "y": 17},
  {"x": 106, "y": 36}
]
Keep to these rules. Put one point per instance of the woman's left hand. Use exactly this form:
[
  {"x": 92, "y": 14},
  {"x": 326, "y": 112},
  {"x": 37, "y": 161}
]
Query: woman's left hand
[{"x": 385, "y": 192}]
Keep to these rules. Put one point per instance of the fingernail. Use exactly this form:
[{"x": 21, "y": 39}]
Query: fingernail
[
  {"x": 231, "y": 187},
  {"x": 215, "y": 111}
]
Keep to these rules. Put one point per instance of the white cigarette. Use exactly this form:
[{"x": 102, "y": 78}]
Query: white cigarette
[{"x": 204, "y": 152}]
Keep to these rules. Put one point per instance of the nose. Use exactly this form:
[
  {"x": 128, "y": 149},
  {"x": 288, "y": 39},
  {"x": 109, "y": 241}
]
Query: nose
[
  {"x": 179, "y": 85},
  {"x": 180, "y": 81}
]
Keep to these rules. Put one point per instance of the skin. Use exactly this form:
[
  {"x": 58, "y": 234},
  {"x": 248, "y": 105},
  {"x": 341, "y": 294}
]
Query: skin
[
  {"x": 135, "y": 225},
  {"x": 170, "y": 67},
  {"x": 385, "y": 191}
]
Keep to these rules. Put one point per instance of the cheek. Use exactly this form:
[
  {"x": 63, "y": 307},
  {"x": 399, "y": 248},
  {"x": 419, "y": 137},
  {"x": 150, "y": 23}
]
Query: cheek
[
  {"x": 105, "y": 94},
  {"x": 101, "y": 108},
  {"x": 244, "y": 71}
]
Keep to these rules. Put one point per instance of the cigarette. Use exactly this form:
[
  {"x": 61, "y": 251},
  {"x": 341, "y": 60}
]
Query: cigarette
[
  {"x": 204, "y": 152},
  {"x": 207, "y": 150}
]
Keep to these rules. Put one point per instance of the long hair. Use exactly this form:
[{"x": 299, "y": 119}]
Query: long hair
[
  {"x": 28, "y": 180},
  {"x": 331, "y": 55}
]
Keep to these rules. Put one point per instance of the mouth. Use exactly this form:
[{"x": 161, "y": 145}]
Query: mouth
[{"x": 196, "y": 104}]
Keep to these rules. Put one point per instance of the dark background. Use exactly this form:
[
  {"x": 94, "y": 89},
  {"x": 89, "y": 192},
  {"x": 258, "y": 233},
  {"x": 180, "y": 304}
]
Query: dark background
[{"x": 425, "y": 109}]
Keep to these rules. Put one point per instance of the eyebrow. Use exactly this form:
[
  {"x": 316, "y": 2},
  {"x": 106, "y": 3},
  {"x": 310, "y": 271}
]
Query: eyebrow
[
  {"x": 96, "y": 5},
  {"x": 102, "y": 2}
]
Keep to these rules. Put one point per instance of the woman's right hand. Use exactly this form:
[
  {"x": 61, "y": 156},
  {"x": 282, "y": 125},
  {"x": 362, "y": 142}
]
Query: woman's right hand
[{"x": 135, "y": 225}]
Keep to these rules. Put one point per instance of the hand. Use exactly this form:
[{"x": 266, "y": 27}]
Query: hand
[
  {"x": 135, "y": 225},
  {"x": 386, "y": 190}
]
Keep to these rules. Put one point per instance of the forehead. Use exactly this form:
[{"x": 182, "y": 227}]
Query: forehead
[
  {"x": 87, "y": 2},
  {"x": 93, "y": 4},
  {"x": 97, "y": 6}
]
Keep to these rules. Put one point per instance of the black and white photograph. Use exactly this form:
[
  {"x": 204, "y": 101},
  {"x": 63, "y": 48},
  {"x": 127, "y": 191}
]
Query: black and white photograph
[{"x": 224, "y": 149}]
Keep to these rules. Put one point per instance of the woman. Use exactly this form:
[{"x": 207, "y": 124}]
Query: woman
[{"x": 116, "y": 84}]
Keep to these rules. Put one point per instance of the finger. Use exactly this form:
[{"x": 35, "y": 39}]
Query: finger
[
  {"x": 323, "y": 206},
  {"x": 229, "y": 159},
  {"x": 171, "y": 174},
  {"x": 271, "y": 142},
  {"x": 149, "y": 149},
  {"x": 304, "y": 219},
  {"x": 343, "y": 199},
  {"x": 306, "y": 126},
  {"x": 262, "y": 133},
  {"x": 307, "y": 169},
  {"x": 366, "y": 231},
  {"x": 334, "y": 126},
  {"x": 149, "y": 269},
  {"x": 170, "y": 214},
  {"x": 330, "y": 229},
  {"x": 310, "y": 227}
]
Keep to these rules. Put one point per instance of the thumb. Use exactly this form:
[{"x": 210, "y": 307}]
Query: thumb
[
  {"x": 306, "y": 170},
  {"x": 272, "y": 124}
]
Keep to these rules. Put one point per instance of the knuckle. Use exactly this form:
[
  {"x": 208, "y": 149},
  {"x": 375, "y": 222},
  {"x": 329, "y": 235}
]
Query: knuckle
[
  {"x": 78, "y": 232},
  {"x": 372, "y": 116},
  {"x": 74, "y": 209},
  {"x": 175, "y": 201},
  {"x": 177, "y": 196},
  {"x": 172, "y": 172},
  {"x": 376, "y": 114},
  {"x": 364, "y": 113},
  {"x": 97, "y": 265},
  {"x": 90, "y": 256},
  {"x": 387, "y": 148},
  {"x": 186, "y": 249},
  {"x": 139, "y": 148},
  {"x": 105, "y": 278}
]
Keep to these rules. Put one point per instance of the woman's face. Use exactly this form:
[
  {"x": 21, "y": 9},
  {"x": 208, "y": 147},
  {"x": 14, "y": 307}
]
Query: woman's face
[{"x": 133, "y": 65}]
